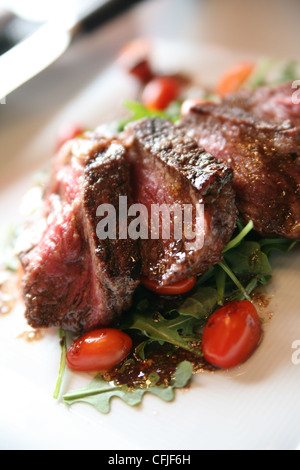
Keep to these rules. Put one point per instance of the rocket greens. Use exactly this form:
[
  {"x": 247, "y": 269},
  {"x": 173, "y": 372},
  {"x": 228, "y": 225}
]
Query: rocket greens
[
  {"x": 100, "y": 392},
  {"x": 178, "y": 322}
]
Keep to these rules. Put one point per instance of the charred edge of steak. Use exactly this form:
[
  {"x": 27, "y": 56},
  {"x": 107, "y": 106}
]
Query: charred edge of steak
[
  {"x": 264, "y": 157},
  {"x": 177, "y": 170},
  {"x": 106, "y": 180},
  {"x": 72, "y": 279},
  {"x": 174, "y": 149}
]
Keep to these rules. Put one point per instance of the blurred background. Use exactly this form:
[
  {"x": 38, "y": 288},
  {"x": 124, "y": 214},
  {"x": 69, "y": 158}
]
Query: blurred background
[
  {"x": 78, "y": 85},
  {"x": 268, "y": 26}
]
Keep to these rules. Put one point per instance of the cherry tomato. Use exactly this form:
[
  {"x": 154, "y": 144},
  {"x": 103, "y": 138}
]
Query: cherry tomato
[
  {"x": 160, "y": 92},
  {"x": 177, "y": 288},
  {"x": 69, "y": 132},
  {"x": 142, "y": 71},
  {"x": 231, "y": 335},
  {"x": 134, "y": 59},
  {"x": 234, "y": 78},
  {"x": 99, "y": 350}
]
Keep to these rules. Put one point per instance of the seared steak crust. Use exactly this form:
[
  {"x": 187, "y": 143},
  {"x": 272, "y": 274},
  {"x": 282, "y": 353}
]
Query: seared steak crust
[
  {"x": 274, "y": 103},
  {"x": 72, "y": 279},
  {"x": 79, "y": 281},
  {"x": 169, "y": 168},
  {"x": 263, "y": 153}
]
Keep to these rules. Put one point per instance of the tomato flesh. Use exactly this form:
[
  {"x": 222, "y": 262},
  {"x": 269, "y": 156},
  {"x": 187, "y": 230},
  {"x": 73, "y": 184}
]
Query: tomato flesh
[
  {"x": 231, "y": 335},
  {"x": 177, "y": 288},
  {"x": 160, "y": 92},
  {"x": 99, "y": 350}
]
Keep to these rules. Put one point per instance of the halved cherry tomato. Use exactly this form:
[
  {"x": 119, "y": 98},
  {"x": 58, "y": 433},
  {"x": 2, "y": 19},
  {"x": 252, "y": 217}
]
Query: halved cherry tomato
[
  {"x": 160, "y": 92},
  {"x": 68, "y": 132},
  {"x": 177, "y": 288},
  {"x": 99, "y": 350},
  {"x": 234, "y": 78},
  {"x": 231, "y": 335}
]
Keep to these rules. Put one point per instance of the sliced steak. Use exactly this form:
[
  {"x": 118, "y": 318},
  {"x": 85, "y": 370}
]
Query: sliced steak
[
  {"x": 78, "y": 280},
  {"x": 73, "y": 279},
  {"x": 168, "y": 168},
  {"x": 263, "y": 153},
  {"x": 277, "y": 103}
]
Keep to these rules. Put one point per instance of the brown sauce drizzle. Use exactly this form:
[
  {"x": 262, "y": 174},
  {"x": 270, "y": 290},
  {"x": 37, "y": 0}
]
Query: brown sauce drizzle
[
  {"x": 161, "y": 362},
  {"x": 262, "y": 303},
  {"x": 32, "y": 335}
]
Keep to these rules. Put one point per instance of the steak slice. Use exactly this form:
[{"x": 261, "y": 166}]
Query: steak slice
[
  {"x": 275, "y": 103},
  {"x": 168, "y": 168},
  {"x": 74, "y": 280},
  {"x": 263, "y": 154}
]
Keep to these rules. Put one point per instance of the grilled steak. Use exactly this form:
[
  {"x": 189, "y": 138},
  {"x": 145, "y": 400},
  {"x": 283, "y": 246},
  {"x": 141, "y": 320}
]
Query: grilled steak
[
  {"x": 78, "y": 280},
  {"x": 73, "y": 279},
  {"x": 262, "y": 150},
  {"x": 169, "y": 169},
  {"x": 276, "y": 103}
]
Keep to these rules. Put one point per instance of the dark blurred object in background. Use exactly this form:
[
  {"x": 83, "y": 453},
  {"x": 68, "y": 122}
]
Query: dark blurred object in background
[
  {"x": 14, "y": 29},
  {"x": 106, "y": 12}
]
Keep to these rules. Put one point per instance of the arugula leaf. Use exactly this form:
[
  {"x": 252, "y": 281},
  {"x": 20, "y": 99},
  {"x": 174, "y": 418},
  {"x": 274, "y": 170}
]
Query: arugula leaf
[
  {"x": 140, "y": 349},
  {"x": 139, "y": 111},
  {"x": 221, "y": 285},
  {"x": 274, "y": 71},
  {"x": 99, "y": 392},
  {"x": 235, "y": 280},
  {"x": 62, "y": 366},
  {"x": 8, "y": 259},
  {"x": 155, "y": 326},
  {"x": 277, "y": 244},
  {"x": 201, "y": 304},
  {"x": 256, "y": 281},
  {"x": 244, "y": 231},
  {"x": 289, "y": 72},
  {"x": 243, "y": 260},
  {"x": 248, "y": 258}
]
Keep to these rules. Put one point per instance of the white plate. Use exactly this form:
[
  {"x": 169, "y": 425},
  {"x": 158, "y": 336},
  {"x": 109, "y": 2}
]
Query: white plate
[{"x": 255, "y": 406}]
